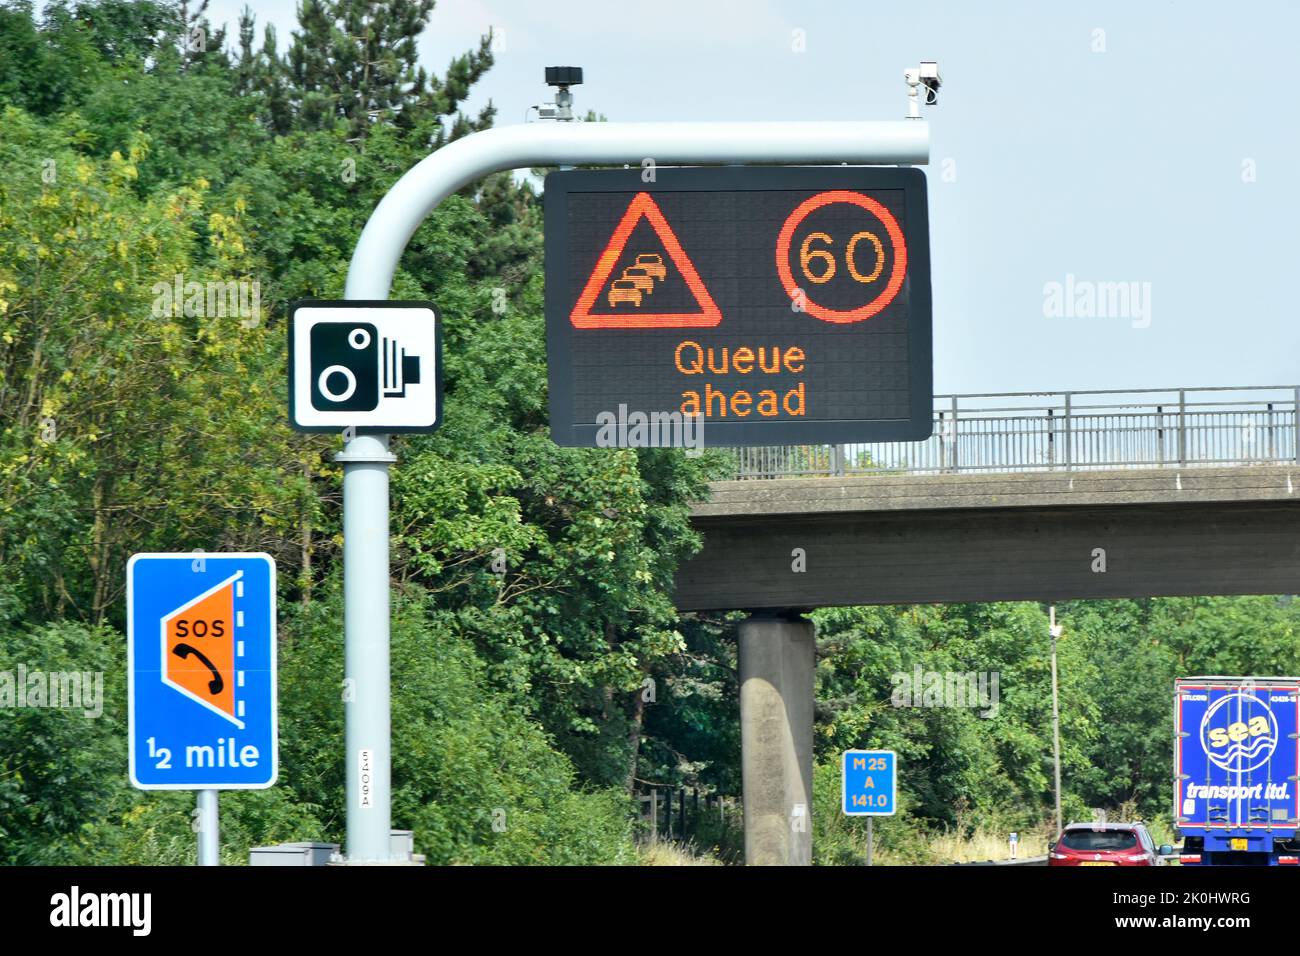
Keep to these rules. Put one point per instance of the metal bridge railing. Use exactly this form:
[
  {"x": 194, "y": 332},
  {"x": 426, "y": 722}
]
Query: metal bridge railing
[{"x": 1067, "y": 431}]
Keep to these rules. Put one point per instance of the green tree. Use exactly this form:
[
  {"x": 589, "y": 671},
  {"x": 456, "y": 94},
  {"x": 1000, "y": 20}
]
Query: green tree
[
  {"x": 130, "y": 422},
  {"x": 357, "y": 62}
]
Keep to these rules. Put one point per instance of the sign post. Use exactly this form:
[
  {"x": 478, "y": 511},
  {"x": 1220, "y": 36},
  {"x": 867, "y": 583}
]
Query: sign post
[
  {"x": 366, "y": 458},
  {"x": 869, "y": 788},
  {"x": 363, "y": 367},
  {"x": 208, "y": 820},
  {"x": 201, "y": 669}
]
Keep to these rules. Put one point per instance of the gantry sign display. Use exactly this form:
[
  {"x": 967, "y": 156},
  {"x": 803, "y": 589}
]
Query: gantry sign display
[{"x": 777, "y": 305}]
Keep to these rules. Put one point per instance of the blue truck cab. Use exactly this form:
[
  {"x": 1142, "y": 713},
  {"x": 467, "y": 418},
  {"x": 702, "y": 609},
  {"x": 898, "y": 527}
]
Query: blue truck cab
[{"x": 1237, "y": 770}]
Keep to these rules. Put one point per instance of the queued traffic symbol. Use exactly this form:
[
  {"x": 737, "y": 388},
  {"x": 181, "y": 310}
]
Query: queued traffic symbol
[
  {"x": 638, "y": 280},
  {"x": 201, "y": 649},
  {"x": 636, "y": 294}
]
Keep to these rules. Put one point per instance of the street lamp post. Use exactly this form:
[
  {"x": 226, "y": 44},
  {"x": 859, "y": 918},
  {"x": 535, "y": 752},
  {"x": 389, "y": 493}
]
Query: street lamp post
[{"x": 1054, "y": 629}]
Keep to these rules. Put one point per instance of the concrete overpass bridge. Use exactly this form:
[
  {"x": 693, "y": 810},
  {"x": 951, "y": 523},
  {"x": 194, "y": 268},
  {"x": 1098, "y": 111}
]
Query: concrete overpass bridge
[{"x": 1019, "y": 496}]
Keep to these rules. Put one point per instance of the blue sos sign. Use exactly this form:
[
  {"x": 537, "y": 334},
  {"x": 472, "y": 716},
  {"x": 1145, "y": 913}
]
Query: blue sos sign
[{"x": 202, "y": 671}]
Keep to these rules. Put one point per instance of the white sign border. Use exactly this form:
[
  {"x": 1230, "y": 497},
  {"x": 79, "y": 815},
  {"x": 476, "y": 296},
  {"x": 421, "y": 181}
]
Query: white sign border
[{"x": 366, "y": 428}]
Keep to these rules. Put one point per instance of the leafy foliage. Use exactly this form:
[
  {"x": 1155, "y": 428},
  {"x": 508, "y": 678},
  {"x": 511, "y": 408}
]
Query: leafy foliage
[
  {"x": 542, "y": 671},
  {"x": 133, "y": 418}
]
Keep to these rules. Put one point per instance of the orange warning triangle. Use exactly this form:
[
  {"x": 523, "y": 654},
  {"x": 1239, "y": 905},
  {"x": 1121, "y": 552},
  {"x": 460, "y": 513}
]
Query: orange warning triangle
[
  {"x": 199, "y": 649},
  {"x": 644, "y": 207}
]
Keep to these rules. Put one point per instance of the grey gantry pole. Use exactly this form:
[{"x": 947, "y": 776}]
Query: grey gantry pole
[
  {"x": 365, "y": 458},
  {"x": 368, "y": 736}
]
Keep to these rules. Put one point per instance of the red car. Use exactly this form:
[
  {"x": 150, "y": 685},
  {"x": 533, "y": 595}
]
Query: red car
[{"x": 1106, "y": 844}]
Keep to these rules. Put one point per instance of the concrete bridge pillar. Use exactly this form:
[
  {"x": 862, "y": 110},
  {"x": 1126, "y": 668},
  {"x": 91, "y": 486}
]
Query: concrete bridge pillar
[{"x": 776, "y": 739}]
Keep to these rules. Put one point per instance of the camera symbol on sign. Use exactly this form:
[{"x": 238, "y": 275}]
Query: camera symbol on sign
[{"x": 353, "y": 366}]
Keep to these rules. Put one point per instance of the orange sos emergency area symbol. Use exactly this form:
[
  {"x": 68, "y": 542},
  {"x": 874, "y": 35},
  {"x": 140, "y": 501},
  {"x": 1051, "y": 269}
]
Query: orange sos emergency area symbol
[
  {"x": 862, "y": 255},
  {"x": 200, "y": 650}
]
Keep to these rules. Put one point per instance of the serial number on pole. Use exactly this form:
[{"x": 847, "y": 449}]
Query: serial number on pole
[{"x": 764, "y": 305}]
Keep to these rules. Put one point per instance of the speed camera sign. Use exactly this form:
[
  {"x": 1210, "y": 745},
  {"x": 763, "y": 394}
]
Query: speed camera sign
[{"x": 371, "y": 365}]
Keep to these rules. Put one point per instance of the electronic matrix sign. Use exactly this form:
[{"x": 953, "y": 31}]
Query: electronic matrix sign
[{"x": 772, "y": 305}]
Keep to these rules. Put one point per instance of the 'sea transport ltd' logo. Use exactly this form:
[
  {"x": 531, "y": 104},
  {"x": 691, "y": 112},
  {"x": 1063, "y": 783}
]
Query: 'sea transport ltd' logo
[{"x": 1239, "y": 732}]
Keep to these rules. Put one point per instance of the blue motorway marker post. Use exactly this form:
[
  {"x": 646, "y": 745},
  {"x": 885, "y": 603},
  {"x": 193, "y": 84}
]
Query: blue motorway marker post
[
  {"x": 201, "y": 666},
  {"x": 870, "y": 787}
]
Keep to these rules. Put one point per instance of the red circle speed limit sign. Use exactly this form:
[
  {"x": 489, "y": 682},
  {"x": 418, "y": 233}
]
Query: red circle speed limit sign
[{"x": 857, "y": 250}]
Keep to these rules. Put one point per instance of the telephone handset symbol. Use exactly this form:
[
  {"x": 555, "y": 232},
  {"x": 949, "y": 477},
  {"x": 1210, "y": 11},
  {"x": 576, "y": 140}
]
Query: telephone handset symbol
[{"x": 183, "y": 651}]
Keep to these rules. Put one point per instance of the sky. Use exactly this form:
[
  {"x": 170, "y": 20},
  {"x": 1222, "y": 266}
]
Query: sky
[{"x": 1073, "y": 144}]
